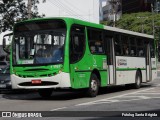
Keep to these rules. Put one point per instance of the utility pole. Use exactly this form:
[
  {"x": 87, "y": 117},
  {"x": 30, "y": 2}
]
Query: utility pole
[
  {"x": 29, "y": 9},
  {"x": 114, "y": 12},
  {"x": 152, "y": 18}
]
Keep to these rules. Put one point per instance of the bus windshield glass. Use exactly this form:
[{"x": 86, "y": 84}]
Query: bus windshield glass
[{"x": 39, "y": 42}]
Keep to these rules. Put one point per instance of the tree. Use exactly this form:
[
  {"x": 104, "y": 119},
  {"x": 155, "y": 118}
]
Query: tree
[
  {"x": 12, "y": 11},
  {"x": 142, "y": 22}
]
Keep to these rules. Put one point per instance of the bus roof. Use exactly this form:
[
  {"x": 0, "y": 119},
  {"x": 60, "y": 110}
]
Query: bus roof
[
  {"x": 128, "y": 32},
  {"x": 113, "y": 29},
  {"x": 100, "y": 26}
]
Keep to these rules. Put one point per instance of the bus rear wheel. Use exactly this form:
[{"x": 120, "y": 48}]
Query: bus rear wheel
[
  {"x": 45, "y": 93},
  {"x": 92, "y": 91},
  {"x": 138, "y": 80}
]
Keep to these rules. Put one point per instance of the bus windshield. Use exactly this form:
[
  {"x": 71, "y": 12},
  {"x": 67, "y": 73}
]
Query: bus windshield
[{"x": 39, "y": 43}]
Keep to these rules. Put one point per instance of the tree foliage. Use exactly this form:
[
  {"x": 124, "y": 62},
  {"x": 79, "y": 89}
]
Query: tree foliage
[
  {"x": 12, "y": 11},
  {"x": 142, "y": 22}
]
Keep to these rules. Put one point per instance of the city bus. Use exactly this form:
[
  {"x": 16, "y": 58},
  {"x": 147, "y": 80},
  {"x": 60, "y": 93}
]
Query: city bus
[{"x": 67, "y": 53}]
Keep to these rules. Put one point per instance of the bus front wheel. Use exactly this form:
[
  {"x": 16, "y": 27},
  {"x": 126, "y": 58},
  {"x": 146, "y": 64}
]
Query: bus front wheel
[
  {"x": 93, "y": 86},
  {"x": 45, "y": 93}
]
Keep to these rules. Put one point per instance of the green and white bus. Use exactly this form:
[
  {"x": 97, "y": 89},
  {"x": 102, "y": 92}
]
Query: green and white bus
[{"x": 52, "y": 53}]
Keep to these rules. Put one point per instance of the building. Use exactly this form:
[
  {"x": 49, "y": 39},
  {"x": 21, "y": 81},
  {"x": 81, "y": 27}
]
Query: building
[
  {"x": 133, "y": 6},
  {"x": 112, "y": 10}
]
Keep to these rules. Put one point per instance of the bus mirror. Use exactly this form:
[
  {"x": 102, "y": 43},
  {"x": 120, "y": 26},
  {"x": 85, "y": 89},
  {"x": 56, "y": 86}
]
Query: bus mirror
[{"x": 7, "y": 39}]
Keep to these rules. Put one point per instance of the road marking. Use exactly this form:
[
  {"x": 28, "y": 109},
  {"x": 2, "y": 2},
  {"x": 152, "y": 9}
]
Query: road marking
[
  {"x": 58, "y": 109},
  {"x": 123, "y": 95},
  {"x": 149, "y": 93},
  {"x": 112, "y": 101},
  {"x": 143, "y": 97},
  {"x": 115, "y": 101}
]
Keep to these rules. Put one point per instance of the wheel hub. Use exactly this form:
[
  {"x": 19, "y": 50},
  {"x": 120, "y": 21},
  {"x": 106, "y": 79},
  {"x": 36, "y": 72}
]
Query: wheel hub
[
  {"x": 138, "y": 81},
  {"x": 94, "y": 85}
]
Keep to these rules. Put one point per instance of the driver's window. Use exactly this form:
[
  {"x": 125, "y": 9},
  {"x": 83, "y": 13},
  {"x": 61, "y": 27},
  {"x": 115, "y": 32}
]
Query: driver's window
[
  {"x": 77, "y": 43},
  {"x": 22, "y": 47}
]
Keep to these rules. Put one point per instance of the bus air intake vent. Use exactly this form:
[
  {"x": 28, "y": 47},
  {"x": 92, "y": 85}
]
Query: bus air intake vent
[{"x": 43, "y": 83}]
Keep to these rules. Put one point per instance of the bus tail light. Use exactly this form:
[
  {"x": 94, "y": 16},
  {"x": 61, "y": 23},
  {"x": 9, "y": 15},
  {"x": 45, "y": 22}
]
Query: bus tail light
[{"x": 36, "y": 81}]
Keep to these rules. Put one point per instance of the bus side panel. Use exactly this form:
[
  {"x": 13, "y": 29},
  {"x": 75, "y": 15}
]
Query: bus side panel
[
  {"x": 100, "y": 64},
  {"x": 144, "y": 79},
  {"x": 125, "y": 77},
  {"x": 126, "y": 68},
  {"x": 81, "y": 71},
  {"x": 154, "y": 70},
  {"x": 84, "y": 68},
  {"x": 80, "y": 79},
  {"x": 104, "y": 79}
]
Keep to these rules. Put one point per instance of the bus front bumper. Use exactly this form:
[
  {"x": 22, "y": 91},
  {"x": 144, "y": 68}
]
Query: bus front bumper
[{"x": 61, "y": 80}]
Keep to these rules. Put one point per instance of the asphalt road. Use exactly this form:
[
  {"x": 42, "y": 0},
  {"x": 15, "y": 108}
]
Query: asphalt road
[{"x": 119, "y": 98}]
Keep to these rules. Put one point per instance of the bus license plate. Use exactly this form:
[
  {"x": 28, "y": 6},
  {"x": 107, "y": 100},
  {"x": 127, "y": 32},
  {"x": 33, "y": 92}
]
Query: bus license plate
[
  {"x": 2, "y": 86},
  {"x": 36, "y": 81}
]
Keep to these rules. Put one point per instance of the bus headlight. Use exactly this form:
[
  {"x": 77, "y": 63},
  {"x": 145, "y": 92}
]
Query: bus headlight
[{"x": 59, "y": 71}]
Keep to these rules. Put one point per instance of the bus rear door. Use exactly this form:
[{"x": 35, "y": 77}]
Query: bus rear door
[
  {"x": 148, "y": 63},
  {"x": 111, "y": 60}
]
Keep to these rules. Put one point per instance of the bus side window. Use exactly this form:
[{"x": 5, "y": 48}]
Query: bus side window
[
  {"x": 125, "y": 45},
  {"x": 118, "y": 50},
  {"x": 95, "y": 39},
  {"x": 125, "y": 50},
  {"x": 93, "y": 49},
  {"x": 133, "y": 47},
  {"x": 96, "y": 47},
  {"x": 133, "y": 51},
  {"x": 140, "y": 47}
]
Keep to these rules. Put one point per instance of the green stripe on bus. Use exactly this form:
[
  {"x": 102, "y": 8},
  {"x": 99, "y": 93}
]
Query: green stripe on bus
[
  {"x": 129, "y": 69},
  {"x": 154, "y": 68}
]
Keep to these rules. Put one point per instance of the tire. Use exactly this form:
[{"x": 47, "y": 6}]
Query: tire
[
  {"x": 45, "y": 93},
  {"x": 92, "y": 91},
  {"x": 138, "y": 80}
]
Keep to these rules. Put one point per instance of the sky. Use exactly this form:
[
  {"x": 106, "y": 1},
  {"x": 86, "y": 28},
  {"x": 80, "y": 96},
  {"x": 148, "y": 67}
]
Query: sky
[
  {"x": 82, "y": 9},
  {"x": 87, "y": 10}
]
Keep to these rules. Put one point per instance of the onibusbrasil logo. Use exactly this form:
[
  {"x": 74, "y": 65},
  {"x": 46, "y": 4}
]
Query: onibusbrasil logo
[{"x": 21, "y": 114}]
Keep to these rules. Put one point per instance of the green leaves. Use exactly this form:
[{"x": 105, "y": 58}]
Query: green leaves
[
  {"x": 142, "y": 22},
  {"x": 138, "y": 22},
  {"x": 12, "y": 11}
]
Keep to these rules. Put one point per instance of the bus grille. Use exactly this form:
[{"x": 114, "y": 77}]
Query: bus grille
[
  {"x": 44, "y": 83},
  {"x": 43, "y": 75}
]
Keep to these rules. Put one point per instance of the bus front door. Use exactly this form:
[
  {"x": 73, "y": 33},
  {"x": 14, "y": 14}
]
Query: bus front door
[
  {"x": 148, "y": 63},
  {"x": 111, "y": 61}
]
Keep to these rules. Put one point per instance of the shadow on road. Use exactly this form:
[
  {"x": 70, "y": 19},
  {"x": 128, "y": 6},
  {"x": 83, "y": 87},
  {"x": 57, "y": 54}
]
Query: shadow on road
[{"x": 33, "y": 95}]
